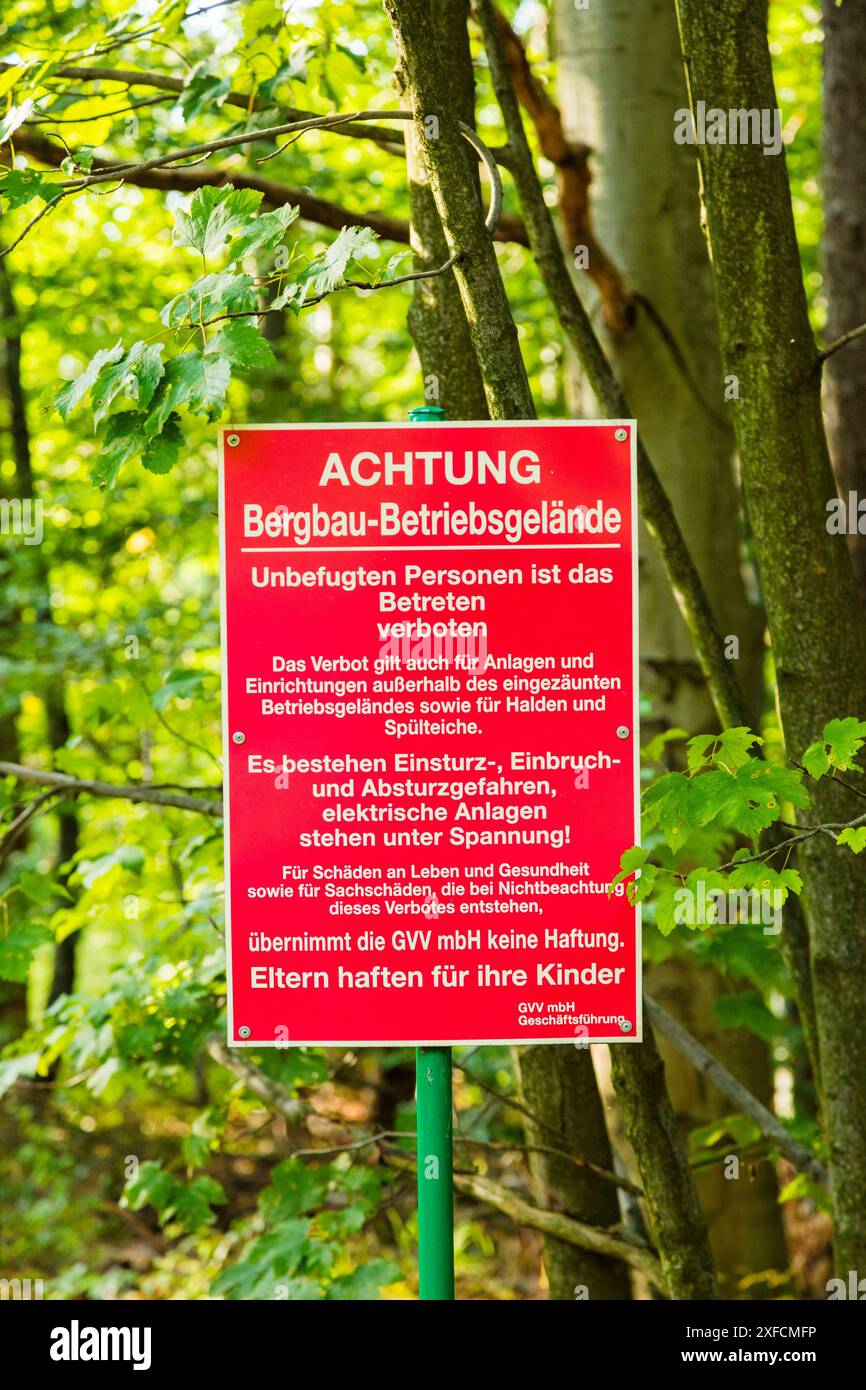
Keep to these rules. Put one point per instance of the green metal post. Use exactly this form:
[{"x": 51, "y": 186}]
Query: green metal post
[
  {"x": 434, "y": 1104},
  {"x": 435, "y": 1182}
]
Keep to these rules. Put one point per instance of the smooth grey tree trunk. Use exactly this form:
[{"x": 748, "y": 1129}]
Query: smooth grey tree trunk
[{"x": 620, "y": 80}]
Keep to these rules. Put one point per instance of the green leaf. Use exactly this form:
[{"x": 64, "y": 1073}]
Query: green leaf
[
  {"x": 841, "y": 743},
  {"x": 152, "y": 1187},
  {"x": 79, "y": 162},
  {"x": 652, "y": 751},
  {"x": 729, "y": 749},
  {"x": 698, "y": 748},
  {"x": 17, "y": 948},
  {"x": 327, "y": 271},
  {"x": 747, "y": 800},
  {"x": 742, "y": 1129},
  {"x": 263, "y": 232},
  {"x": 203, "y": 91},
  {"x": 632, "y": 860},
  {"x": 197, "y": 381},
  {"x": 365, "y": 1282},
  {"x": 68, "y": 396},
  {"x": 769, "y": 882},
  {"x": 136, "y": 375},
  {"x": 127, "y": 857},
  {"x": 291, "y": 294},
  {"x": 295, "y": 1190},
  {"x": 666, "y": 803},
  {"x": 210, "y": 296},
  {"x": 843, "y": 739},
  {"x": 747, "y": 1009},
  {"x": 640, "y": 890},
  {"x": 191, "y": 1203},
  {"x": 39, "y": 888},
  {"x": 666, "y": 904},
  {"x": 815, "y": 760},
  {"x": 267, "y": 1261},
  {"x": 20, "y": 186},
  {"x": 215, "y": 213},
  {"x": 802, "y": 1186},
  {"x": 183, "y": 684},
  {"x": 854, "y": 837},
  {"x": 242, "y": 345},
  {"x": 163, "y": 450},
  {"x": 123, "y": 439},
  {"x": 735, "y": 745}
]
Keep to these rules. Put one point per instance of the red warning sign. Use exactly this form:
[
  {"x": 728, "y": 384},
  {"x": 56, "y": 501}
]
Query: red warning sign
[{"x": 430, "y": 723}]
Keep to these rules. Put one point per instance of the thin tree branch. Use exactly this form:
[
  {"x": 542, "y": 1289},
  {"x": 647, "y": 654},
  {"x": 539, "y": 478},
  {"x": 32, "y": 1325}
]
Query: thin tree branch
[
  {"x": 290, "y": 1107},
  {"x": 22, "y": 820},
  {"x": 100, "y": 115},
  {"x": 838, "y": 343},
  {"x": 227, "y": 142},
  {"x": 772, "y": 1128},
  {"x": 577, "y": 1159},
  {"x": 513, "y": 1103},
  {"x": 246, "y": 101},
  {"x": 276, "y": 194},
  {"x": 557, "y": 1224},
  {"x": 76, "y": 785},
  {"x": 562, "y": 1227}
]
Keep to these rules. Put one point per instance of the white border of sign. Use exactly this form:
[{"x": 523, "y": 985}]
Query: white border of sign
[{"x": 631, "y": 425}]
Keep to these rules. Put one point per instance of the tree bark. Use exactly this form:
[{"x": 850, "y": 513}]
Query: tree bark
[
  {"x": 445, "y": 156},
  {"x": 58, "y": 728},
  {"x": 558, "y": 1085},
  {"x": 655, "y": 505},
  {"x": 13, "y": 996},
  {"x": 676, "y": 1219},
  {"x": 620, "y": 76},
  {"x": 815, "y": 620},
  {"x": 424, "y": 75},
  {"x": 437, "y": 321},
  {"x": 844, "y": 166}
]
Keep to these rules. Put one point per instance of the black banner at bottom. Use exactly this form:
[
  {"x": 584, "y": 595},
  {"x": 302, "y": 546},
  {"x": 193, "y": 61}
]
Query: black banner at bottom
[{"x": 257, "y": 1340}]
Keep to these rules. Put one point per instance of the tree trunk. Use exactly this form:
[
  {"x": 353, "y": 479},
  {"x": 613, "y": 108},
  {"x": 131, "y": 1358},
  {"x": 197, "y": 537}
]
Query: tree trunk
[
  {"x": 845, "y": 250},
  {"x": 551, "y": 1075},
  {"x": 445, "y": 155},
  {"x": 13, "y": 996},
  {"x": 58, "y": 727},
  {"x": 676, "y": 1218},
  {"x": 437, "y": 321},
  {"x": 558, "y": 1085},
  {"x": 815, "y": 620},
  {"x": 658, "y": 515},
  {"x": 620, "y": 78}
]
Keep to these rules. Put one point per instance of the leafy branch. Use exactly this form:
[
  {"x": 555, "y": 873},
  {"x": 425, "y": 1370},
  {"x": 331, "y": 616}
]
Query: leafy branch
[
  {"x": 220, "y": 222},
  {"x": 726, "y": 790}
]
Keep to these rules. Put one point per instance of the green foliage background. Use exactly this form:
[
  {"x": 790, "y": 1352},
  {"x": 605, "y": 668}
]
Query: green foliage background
[{"x": 137, "y": 1163}]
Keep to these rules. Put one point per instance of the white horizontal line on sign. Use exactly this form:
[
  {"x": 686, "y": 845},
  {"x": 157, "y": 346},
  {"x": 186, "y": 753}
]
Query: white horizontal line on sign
[{"x": 338, "y": 549}]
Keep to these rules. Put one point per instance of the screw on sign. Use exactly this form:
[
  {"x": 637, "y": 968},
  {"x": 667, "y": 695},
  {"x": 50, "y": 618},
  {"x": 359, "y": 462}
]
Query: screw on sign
[{"x": 420, "y": 846}]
